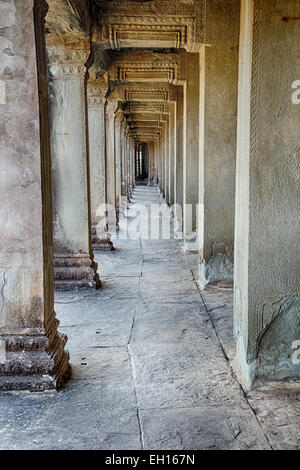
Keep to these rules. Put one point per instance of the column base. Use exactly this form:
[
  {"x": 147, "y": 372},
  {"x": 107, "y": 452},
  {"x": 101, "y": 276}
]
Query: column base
[
  {"x": 244, "y": 371},
  {"x": 75, "y": 271},
  {"x": 218, "y": 270},
  {"x": 103, "y": 244},
  {"x": 101, "y": 240},
  {"x": 35, "y": 362},
  {"x": 123, "y": 205},
  {"x": 191, "y": 242}
]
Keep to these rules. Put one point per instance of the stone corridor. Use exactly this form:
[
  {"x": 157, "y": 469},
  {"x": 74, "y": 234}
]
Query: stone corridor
[{"x": 149, "y": 369}]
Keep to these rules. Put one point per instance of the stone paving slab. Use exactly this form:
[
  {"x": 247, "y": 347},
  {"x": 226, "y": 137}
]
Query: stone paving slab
[
  {"x": 202, "y": 428},
  {"x": 104, "y": 364},
  {"x": 180, "y": 376},
  {"x": 148, "y": 367},
  {"x": 85, "y": 325},
  {"x": 278, "y": 411},
  {"x": 86, "y": 311},
  {"x": 59, "y": 439},
  {"x": 176, "y": 325},
  {"x": 55, "y": 420}
]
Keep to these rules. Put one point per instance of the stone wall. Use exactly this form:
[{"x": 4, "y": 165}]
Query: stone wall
[{"x": 267, "y": 208}]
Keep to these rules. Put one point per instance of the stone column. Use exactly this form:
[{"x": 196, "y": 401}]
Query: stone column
[
  {"x": 167, "y": 158},
  {"x": 172, "y": 152},
  {"x": 127, "y": 162},
  {"x": 152, "y": 171},
  {"x": 178, "y": 193},
  {"x": 74, "y": 265},
  {"x": 131, "y": 164},
  {"x": 32, "y": 355},
  {"x": 218, "y": 103},
  {"x": 123, "y": 166},
  {"x": 110, "y": 165},
  {"x": 155, "y": 162},
  {"x": 163, "y": 159},
  {"x": 160, "y": 162},
  {"x": 123, "y": 152},
  {"x": 96, "y": 119},
  {"x": 266, "y": 273},
  {"x": 129, "y": 181},
  {"x": 118, "y": 160},
  {"x": 191, "y": 151},
  {"x": 133, "y": 150}
]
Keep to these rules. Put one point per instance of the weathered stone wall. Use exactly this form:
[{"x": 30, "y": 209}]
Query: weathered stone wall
[
  {"x": 267, "y": 210},
  {"x": 219, "y": 138}
]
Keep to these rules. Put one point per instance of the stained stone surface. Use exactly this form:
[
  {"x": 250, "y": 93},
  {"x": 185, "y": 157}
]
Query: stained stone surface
[{"x": 148, "y": 367}]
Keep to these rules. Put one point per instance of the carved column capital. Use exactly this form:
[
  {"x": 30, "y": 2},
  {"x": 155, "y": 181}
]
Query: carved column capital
[
  {"x": 96, "y": 90},
  {"x": 119, "y": 117},
  {"x": 67, "y": 60},
  {"x": 111, "y": 108}
]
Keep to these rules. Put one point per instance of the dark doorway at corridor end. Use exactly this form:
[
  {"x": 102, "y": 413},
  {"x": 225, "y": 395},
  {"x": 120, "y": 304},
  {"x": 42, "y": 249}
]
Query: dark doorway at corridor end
[{"x": 142, "y": 163}]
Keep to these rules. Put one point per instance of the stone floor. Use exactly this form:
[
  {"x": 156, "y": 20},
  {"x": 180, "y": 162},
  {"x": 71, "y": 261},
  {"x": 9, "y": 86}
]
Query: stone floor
[{"x": 151, "y": 364}]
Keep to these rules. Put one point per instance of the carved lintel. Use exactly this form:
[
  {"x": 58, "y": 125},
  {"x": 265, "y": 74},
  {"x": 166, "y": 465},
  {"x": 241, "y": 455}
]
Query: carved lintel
[{"x": 139, "y": 30}]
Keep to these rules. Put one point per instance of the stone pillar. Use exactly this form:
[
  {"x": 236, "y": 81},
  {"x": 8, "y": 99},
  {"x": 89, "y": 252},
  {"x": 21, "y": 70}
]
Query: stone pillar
[
  {"x": 191, "y": 151},
  {"x": 74, "y": 265},
  {"x": 163, "y": 160},
  {"x": 160, "y": 162},
  {"x": 266, "y": 274},
  {"x": 96, "y": 120},
  {"x": 123, "y": 153},
  {"x": 128, "y": 159},
  {"x": 123, "y": 166},
  {"x": 155, "y": 162},
  {"x": 118, "y": 161},
  {"x": 32, "y": 355},
  {"x": 218, "y": 104},
  {"x": 178, "y": 193},
  {"x": 110, "y": 165},
  {"x": 127, "y": 163},
  {"x": 167, "y": 158},
  {"x": 133, "y": 150},
  {"x": 152, "y": 170},
  {"x": 172, "y": 151}
]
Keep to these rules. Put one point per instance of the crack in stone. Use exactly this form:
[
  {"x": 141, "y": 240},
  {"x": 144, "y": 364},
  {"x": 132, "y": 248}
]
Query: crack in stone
[{"x": 2, "y": 291}]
